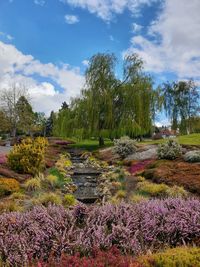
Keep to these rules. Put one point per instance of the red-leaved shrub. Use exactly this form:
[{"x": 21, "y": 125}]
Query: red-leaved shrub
[{"x": 98, "y": 258}]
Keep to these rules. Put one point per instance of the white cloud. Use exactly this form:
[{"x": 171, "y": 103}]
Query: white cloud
[
  {"x": 39, "y": 2},
  {"x": 105, "y": 9},
  {"x": 85, "y": 62},
  {"x": 176, "y": 38},
  {"x": 71, "y": 19},
  {"x": 136, "y": 27},
  {"x": 17, "y": 67}
]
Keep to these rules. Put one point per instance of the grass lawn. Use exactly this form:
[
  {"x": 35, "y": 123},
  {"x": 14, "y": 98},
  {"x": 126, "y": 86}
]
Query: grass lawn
[
  {"x": 191, "y": 139},
  {"x": 91, "y": 145}
]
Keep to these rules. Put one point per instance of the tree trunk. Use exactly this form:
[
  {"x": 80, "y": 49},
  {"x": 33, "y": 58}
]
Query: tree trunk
[{"x": 101, "y": 141}]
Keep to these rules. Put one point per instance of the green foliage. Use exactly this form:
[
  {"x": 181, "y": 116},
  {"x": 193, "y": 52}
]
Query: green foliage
[
  {"x": 176, "y": 257},
  {"x": 51, "y": 180},
  {"x": 108, "y": 107},
  {"x": 17, "y": 196},
  {"x": 10, "y": 206},
  {"x": 181, "y": 102},
  {"x": 28, "y": 157},
  {"x": 136, "y": 198},
  {"x": 69, "y": 200},
  {"x": 8, "y": 186},
  {"x": 32, "y": 185},
  {"x": 124, "y": 146},
  {"x": 49, "y": 198},
  {"x": 176, "y": 191},
  {"x": 192, "y": 156},
  {"x": 169, "y": 150},
  {"x": 150, "y": 189}
]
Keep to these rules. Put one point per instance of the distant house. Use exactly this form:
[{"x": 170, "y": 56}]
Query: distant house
[{"x": 164, "y": 132}]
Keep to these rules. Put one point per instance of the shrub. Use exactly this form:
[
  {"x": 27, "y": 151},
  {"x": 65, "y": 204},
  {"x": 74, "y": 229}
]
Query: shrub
[
  {"x": 176, "y": 191},
  {"x": 124, "y": 146},
  {"x": 8, "y": 186},
  {"x": 121, "y": 194},
  {"x": 69, "y": 200},
  {"x": 32, "y": 185},
  {"x": 63, "y": 163},
  {"x": 49, "y": 198},
  {"x": 28, "y": 157},
  {"x": 192, "y": 156},
  {"x": 18, "y": 196},
  {"x": 136, "y": 198},
  {"x": 9, "y": 206},
  {"x": 169, "y": 150},
  {"x": 98, "y": 258},
  {"x": 51, "y": 180},
  {"x": 132, "y": 228},
  {"x": 180, "y": 256},
  {"x": 150, "y": 189},
  {"x": 139, "y": 166}
]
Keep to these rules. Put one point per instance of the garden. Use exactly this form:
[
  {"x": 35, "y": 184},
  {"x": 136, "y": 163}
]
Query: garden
[
  {"x": 127, "y": 204},
  {"x": 92, "y": 185}
]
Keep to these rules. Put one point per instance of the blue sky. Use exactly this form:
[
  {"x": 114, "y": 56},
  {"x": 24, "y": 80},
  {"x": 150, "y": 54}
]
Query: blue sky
[{"x": 46, "y": 44}]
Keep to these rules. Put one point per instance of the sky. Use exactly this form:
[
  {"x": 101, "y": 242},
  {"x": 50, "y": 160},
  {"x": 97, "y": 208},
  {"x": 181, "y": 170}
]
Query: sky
[{"x": 46, "y": 44}]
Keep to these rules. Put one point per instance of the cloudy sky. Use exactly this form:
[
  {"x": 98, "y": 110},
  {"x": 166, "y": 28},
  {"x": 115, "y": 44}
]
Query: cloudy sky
[{"x": 46, "y": 44}]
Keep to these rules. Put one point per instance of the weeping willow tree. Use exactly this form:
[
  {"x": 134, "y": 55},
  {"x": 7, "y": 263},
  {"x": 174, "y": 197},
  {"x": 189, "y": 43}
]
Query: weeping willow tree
[{"x": 109, "y": 107}]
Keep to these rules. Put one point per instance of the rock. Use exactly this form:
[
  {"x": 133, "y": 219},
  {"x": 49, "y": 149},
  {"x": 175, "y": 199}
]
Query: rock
[{"x": 148, "y": 152}]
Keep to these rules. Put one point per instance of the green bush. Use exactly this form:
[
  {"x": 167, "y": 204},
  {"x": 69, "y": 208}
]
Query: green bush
[
  {"x": 49, "y": 198},
  {"x": 28, "y": 157},
  {"x": 136, "y": 198},
  {"x": 51, "y": 180},
  {"x": 17, "y": 196},
  {"x": 8, "y": 186},
  {"x": 176, "y": 191},
  {"x": 192, "y": 156},
  {"x": 124, "y": 146},
  {"x": 32, "y": 185},
  {"x": 169, "y": 150},
  {"x": 150, "y": 189},
  {"x": 9, "y": 206},
  {"x": 69, "y": 200},
  {"x": 176, "y": 257}
]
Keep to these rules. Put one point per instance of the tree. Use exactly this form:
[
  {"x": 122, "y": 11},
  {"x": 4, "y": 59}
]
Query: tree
[
  {"x": 9, "y": 98},
  {"x": 4, "y": 123},
  {"x": 100, "y": 81},
  {"x": 50, "y": 124},
  {"x": 109, "y": 107},
  {"x": 25, "y": 115},
  {"x": 40, "y": 123},
  {"x": 181, "y": 103}
]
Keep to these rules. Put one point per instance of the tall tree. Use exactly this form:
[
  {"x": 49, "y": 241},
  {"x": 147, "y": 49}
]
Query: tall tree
[
  {"x": 181, "y": 103},
  {"x": 100, "y": 80},
  {"x": 9, "y": 98},
  {"x": 25, "y": 115}
]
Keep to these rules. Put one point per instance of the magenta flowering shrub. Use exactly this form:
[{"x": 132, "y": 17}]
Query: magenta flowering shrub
[
  {"x": 3, "y": 159},
  {"x": 139, "y": 166},
  {"x": 132, "y": 228}
]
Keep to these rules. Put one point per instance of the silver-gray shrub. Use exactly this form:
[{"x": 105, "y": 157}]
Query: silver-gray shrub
[
  {"x": 192, "y": 156},
  {"x": 124, "y": 146},
  {"x": 169, "y": 150}
]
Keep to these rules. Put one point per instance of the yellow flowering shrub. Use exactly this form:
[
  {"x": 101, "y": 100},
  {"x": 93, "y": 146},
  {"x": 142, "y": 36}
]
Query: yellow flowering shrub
[
  {"x": 8, "y": 186},
  {"x": 28, "y": 157}
]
